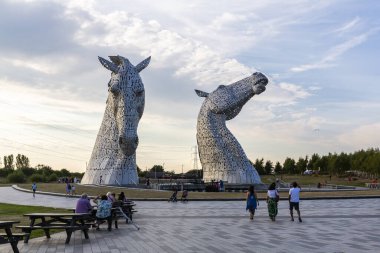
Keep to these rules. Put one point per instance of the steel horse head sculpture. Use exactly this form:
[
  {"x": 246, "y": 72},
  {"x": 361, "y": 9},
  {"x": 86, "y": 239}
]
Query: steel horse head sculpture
[
  {"x": 113, "y": 159},
  {"x": 221, "y": 155}
]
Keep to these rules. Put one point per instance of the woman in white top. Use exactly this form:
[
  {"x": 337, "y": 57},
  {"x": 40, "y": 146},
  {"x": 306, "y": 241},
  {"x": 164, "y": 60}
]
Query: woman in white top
[{"x": 272, "y": 199}]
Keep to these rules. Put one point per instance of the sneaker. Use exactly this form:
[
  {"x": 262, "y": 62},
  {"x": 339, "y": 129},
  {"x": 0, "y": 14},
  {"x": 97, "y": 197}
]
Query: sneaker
[
  {"x": 299, "y": 219},
  {"x": 292, "y": 219}
]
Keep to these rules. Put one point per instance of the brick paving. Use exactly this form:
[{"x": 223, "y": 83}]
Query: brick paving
[{"x": 217, "y": 226}]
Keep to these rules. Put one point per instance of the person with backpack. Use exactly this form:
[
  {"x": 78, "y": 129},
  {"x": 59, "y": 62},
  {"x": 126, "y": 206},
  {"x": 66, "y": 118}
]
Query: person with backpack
[{"x": 252, "y": 201}]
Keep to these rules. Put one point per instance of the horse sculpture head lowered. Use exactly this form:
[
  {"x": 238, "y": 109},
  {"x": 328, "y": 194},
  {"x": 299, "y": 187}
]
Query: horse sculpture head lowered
[
  {"x": 113, "y": 160},
  {"x": 220, "y": 153}
]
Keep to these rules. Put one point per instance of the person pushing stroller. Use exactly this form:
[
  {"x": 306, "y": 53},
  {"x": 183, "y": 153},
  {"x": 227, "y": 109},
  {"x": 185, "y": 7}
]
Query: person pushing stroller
[{"x": 173, "y": 198}]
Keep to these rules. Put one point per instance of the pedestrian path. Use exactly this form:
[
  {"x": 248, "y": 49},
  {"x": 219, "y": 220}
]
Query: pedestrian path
[{"x": 217, "y": 226}]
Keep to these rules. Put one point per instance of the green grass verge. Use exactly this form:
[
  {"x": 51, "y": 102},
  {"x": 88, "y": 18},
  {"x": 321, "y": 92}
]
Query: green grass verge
[
  {"x": 151, "y": 194},
  {"x": 313, "y": 180},
  {"x": 11, "y": 212}
]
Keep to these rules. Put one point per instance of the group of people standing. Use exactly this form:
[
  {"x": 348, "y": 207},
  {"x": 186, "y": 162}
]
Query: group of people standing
[{"x": 272, "y": 199}]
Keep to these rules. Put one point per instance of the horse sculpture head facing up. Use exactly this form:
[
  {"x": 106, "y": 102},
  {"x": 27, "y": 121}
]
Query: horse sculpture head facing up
[
  {"x": 127, "y": 96},
  {"x": 220, "y": 153},
  {"x": 113, "y": 159}
]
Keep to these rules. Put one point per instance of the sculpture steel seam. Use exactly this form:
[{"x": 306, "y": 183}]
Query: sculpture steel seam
[
  {"x": 113, "y": 159},
  {"x": 221, "y": 155}
]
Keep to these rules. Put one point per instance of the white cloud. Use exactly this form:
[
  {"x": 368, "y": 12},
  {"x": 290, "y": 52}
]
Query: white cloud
[
  {"x": 348, "y": 26},
  {"x": 225, "y": 19},
  {"x": 335, "y": 52},
  {"x": 364, "y": 136}
]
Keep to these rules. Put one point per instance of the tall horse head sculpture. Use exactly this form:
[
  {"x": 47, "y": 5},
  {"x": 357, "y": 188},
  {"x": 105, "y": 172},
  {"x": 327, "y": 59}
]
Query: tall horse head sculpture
[
  {"x": 221, "y": 155},
  {"x": 113, "y": 159}
]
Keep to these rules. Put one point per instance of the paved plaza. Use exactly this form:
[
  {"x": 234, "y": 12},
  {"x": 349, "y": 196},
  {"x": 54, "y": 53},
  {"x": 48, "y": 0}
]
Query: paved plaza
[{"x": 217, "y": 226}]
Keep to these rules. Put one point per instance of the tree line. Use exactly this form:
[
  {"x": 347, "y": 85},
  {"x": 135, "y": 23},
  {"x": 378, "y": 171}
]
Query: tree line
[
  {"x": 21, "y": 171},
  {"x": 365, "y": 162}
]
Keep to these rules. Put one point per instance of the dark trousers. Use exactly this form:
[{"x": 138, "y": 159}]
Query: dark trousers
[{"x": 108, "y": 219}]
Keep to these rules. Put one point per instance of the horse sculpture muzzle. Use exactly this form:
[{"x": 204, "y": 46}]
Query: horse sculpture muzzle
[{"x": 128, "y": 144}]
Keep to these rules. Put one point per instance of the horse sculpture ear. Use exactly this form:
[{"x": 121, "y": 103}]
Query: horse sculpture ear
[
  {"x": 108, "y": 65},
  {"x": 142, "y": 65},
  {"x": 201, "y": 93}
]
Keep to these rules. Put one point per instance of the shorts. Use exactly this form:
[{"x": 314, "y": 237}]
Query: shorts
[{"x": 296, "y": 205}]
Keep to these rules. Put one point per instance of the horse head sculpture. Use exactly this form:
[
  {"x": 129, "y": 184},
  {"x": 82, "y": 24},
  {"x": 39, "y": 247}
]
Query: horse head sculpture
[
  {"x": 127, "y": 95},
  {"x": 113, "y": 159},
  {"x": 220, "y": 153}
]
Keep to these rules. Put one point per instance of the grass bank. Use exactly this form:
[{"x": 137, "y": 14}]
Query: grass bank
[
  {"x": 13, "y": 212},
  {"x": 152, "y": 194}
]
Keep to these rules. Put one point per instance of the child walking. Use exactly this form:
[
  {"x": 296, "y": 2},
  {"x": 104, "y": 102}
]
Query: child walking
[{"x": 252, "y": 201}]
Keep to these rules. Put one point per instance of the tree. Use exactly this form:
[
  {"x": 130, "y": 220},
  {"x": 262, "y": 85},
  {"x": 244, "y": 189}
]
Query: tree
[
  {"x": 301, "y": 165},
  {"x": 268, "y": 167},
  {"x": 278, "y": 168},
  {"x": 289, "y": 166},
  {"x": 65, "y": 173},
  {"x": 323, "y": 165},
  {"x": 22, "y": 161},
  {"x": 44, "y": 170},
  {"x": 259, "y": 166},
  {"x": 157, "y": 168},
  {"x": 8, "y": 162},
  {"x": 314, "y": 162}
]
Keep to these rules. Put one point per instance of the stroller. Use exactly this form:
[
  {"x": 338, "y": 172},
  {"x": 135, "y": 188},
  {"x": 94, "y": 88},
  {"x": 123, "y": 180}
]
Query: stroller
[
  {"x": 173, "y": 198},
  {"x": 184, "y": 196}
]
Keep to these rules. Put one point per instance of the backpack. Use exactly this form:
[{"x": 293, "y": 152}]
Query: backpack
[{"x": 251, "y": 202}]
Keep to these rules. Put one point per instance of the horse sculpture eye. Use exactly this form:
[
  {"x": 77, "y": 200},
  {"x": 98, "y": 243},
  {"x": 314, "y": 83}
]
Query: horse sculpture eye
[
  {"x": 139, "y": 93},
  {"x": 114, "y": 89}
]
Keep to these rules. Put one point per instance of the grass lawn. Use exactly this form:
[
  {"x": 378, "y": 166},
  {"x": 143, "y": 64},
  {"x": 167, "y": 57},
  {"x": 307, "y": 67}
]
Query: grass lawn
[
  {"x": 151, "y": 194},
  {"x": 313, "y": 180},
  {"x": 15, "y": 213}
]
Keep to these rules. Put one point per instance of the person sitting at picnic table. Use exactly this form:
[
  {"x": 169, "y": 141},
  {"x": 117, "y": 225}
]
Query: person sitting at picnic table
[
  {"x": 122, "y": 197},
  {"x": 111, "y": 197},
  {"x": 83, "y": 204},
  {"x": 104, "y": 211}
]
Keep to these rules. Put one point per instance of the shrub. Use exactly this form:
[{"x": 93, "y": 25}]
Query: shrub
[
  {"x": 52, "y": 178},
  {"x": 5, "y": 172},
  {"x": 16, "y": 177},
  {"x": 28, "y": 171},
  {"x": 37, "y": 178}
]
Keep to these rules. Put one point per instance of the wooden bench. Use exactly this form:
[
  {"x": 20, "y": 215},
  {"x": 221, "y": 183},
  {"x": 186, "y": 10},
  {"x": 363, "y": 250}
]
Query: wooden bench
[
  {"x": 8, "y": 236},
  {"x": 67, "y": 221},
  {"x": 18, "y": 236}
]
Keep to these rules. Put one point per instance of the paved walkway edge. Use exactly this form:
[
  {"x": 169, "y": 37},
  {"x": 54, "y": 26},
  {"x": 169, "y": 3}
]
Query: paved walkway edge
[{"x": 16, "y": 187}]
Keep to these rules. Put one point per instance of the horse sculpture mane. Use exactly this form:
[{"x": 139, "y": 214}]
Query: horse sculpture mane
[
  {"x": 221, "y": 155},
  {"x": 113, "y": 159}
]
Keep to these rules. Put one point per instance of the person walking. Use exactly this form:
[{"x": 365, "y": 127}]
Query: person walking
[
  {"x": 252, "y": 201},
  {"x": 294, "y": 200},
  {"x": 68, "y": 189},
  {"x": 34, "y": 188},
  {"x": 272, "y": 198}
]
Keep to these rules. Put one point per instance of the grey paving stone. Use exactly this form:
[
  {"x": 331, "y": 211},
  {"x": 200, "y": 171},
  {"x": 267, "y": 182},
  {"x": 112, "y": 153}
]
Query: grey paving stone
[{"x": 329, "y": 226}]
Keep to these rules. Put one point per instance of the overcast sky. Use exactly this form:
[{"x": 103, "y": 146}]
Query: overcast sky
[{"x": 322, "y": 59}]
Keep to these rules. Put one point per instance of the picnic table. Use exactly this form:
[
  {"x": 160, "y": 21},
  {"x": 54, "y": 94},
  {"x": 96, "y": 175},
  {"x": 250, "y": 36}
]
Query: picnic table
[
  {"x": 8, "y": 236},
  {"x": 67, "y": 221}
]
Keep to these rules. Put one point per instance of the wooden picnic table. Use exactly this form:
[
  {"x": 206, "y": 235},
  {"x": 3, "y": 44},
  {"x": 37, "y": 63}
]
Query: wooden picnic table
[
  {"x": 8, "y": 236},
  {"x": 67, "y": 221}
]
